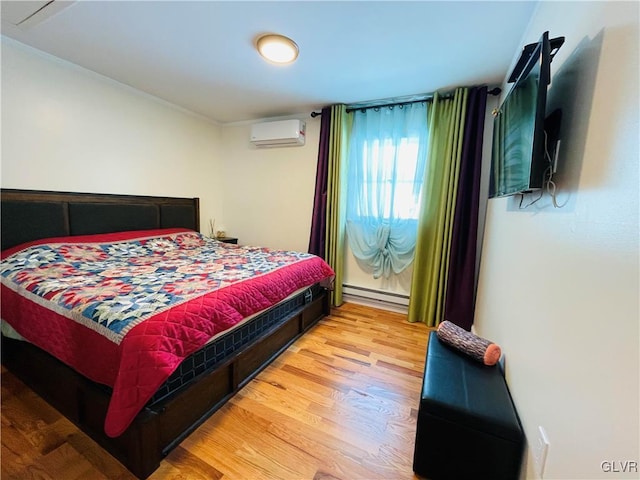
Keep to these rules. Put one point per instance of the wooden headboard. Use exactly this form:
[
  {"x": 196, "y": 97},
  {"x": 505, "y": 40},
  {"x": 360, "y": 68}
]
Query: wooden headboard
[{"x": 28, "y": 215}]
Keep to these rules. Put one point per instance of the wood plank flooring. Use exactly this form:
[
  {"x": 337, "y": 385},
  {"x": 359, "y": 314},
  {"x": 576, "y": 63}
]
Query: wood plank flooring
[{"x": 340, "y": 403}]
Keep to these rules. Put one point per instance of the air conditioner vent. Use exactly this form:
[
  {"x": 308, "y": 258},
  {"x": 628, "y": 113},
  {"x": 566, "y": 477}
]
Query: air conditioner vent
[{"x": 28, "y": 14}]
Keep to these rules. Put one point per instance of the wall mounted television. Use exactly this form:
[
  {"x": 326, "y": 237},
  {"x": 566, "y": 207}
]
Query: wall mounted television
[{"x": 519, "y": 159}]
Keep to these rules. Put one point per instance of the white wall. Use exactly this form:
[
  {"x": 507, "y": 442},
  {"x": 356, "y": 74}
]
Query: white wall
[
  {"x": 559, "y": 287},
  {"x": 268, "y": 192},
  {"x": 66, "y": 128}
]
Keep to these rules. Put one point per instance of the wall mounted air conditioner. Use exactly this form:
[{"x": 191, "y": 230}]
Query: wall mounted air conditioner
[{"x": 278, "y": 134}]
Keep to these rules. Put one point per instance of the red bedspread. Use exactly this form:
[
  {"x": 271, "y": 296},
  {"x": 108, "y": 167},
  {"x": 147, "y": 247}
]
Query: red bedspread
[{"x": 125, "y": 309}]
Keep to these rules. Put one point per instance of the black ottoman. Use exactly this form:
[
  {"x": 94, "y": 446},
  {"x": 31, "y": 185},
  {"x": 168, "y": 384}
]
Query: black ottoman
[{"x": 467, "y": 424}]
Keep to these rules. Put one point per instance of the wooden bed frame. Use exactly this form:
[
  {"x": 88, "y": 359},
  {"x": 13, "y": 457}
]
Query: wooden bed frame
[{"x": 159, "y": 427}]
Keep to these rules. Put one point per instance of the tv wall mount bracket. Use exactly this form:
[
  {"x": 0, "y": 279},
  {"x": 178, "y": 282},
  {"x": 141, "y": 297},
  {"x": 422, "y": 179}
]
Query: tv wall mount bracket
[{"x": 527, "y": 50}]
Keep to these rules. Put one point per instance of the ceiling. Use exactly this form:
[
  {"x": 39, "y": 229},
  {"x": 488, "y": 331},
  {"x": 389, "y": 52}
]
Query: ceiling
[{"x": 200, "y": 55}]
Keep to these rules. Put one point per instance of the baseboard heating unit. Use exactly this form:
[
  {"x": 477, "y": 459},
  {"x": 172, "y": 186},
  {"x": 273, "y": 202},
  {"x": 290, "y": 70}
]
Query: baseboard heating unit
[{"x": 396, "y": 302}]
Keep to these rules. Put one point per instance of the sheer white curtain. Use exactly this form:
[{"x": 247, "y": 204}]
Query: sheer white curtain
[{"x": 386, "y": 164}]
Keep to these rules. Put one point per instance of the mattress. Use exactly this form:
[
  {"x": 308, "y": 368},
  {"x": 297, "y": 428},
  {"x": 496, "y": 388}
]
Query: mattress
[{"x": 222, "y": 347}]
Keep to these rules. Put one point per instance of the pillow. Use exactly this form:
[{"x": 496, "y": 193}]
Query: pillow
[{"x": 478, "y": 348}]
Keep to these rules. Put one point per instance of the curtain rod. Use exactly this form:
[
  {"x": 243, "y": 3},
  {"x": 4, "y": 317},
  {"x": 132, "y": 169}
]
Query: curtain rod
[
  {"x": 416, "y": 99},
  {"x": 368, "y": 106}
]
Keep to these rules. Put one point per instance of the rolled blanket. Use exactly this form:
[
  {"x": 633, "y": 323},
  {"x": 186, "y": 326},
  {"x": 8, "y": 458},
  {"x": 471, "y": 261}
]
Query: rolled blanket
[{"x": 476, "y": 347}]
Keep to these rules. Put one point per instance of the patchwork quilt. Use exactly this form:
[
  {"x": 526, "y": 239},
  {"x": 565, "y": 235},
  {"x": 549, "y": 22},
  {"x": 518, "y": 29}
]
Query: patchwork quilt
[{"x": 125, "y": 309}]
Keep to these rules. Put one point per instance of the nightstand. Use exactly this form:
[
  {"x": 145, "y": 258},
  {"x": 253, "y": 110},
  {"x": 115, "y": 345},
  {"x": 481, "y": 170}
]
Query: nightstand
[{"x": 227, "y": 239}]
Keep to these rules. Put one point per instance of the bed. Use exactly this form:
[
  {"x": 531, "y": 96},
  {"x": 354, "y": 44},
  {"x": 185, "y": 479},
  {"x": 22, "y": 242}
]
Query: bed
[{"x": 144, "y": 394}]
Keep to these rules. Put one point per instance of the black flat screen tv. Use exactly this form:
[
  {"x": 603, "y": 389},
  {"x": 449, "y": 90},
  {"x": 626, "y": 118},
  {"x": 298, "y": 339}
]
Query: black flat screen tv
[{"x": 518, "y": 160}]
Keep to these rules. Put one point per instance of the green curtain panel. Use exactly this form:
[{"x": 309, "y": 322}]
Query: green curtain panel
[
  {"x": 428, "y": 285},
  {"x": 336, "y": 207}
]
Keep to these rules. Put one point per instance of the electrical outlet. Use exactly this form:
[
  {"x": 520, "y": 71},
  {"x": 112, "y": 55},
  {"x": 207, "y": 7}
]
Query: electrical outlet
[{"x": 540, "y": 451}]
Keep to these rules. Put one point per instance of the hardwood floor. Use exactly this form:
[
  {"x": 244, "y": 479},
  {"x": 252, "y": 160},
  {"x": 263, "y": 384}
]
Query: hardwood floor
[{"x": 340, "y": 403}]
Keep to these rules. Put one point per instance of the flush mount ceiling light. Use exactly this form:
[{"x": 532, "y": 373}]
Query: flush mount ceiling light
[{"x": 277, "y": 48}]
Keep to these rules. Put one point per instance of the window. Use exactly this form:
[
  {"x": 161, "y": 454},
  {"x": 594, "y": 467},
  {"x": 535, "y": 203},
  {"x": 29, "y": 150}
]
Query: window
[
  {"x": 386, "y": 165},
  {"x": 393, "y": 167}
]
